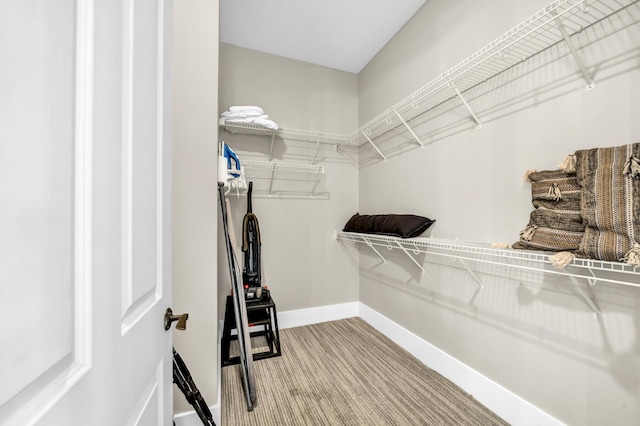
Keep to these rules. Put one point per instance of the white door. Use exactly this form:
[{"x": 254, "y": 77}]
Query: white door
[{"x": 84, "y": 235}]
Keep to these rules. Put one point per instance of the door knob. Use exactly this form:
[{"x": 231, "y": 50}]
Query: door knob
[{"x": 169, "y": 318}]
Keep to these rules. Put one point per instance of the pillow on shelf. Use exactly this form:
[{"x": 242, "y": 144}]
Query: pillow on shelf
[
  {"x": 555, "y": 189},
  {"x": 396, "y": 225},
  {"x": 556, "y": 223},
  {"x": 610, "y": 181}
]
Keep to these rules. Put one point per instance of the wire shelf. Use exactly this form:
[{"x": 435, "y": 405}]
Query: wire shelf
[
  {"x": 291, "y": 171},
  {"x": 283, "y": 132},
  {"x": 589, "y": 269},
  {"x": 285, "y": 180},
  {"x": 546, "y": 28}
]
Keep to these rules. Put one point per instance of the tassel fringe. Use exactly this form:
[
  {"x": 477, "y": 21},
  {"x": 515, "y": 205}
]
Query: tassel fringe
[
  {"x": 633, "y": 256},
  {"x": 562, "y": 259},
  {"x": 568, "y": 165},
  {"x": 632, "y": 167},
  {"x": 501, "y": 245},
  {"x": 527, "y": 173},
  {"x": 527, "y": 233},
  {"x": 554, "y": 193}
]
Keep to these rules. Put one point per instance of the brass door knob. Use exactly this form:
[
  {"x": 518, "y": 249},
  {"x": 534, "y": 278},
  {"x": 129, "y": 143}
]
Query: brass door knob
[{"x": 169, "y": 318}]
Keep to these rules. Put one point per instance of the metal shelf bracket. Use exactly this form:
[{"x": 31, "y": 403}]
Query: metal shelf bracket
[
  {"x": 313, "y": 159},
  {"x": 410, "y": 129},
  {"x": 464, "y": 101},
  {"x": 374, "y": 145},
  {"x": 368, "y": 242},
  {"x": 470, "y": 271},
  {"x": 589, "y": 300},
  {"x": 273, "y": 175},
  {"x": 409, "y": 256},
  {"x": 273, "y": 137},
  {"x": 574, "y": 52}
]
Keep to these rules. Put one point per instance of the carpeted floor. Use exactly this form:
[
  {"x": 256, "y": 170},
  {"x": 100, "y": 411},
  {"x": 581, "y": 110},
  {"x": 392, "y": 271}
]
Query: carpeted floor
[{"x": 346, "y": 373}]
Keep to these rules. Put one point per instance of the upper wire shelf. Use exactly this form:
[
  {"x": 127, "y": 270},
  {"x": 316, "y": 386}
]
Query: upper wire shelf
[
  {"x": 590, "y": 269},
  {"x": 546, "y": 28},
  {"x": 283, "y": 132}
]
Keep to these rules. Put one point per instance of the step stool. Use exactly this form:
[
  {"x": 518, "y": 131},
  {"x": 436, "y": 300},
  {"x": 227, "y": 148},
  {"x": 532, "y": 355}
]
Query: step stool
[{"x": 261, "y": 314}]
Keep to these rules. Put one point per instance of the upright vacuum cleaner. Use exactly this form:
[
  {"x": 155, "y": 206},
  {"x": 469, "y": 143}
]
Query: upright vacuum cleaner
[{"x": 251, "y": 273}]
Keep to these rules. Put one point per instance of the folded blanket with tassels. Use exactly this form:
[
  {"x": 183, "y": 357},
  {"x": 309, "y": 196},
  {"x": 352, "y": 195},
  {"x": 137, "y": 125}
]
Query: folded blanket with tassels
[{"x": 610, "y": 183}]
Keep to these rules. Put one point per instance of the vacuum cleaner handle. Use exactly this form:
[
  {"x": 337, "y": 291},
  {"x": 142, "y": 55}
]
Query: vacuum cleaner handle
[{"x": 249, "y": 209}]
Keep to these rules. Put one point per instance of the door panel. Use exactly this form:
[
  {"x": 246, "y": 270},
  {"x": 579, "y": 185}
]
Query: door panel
[
  {"x": 45, "y": 208},
  {"x": 83, "y": 238},
  {"x": 147, "y": 411},
  {"x": 142, "y": 157}
]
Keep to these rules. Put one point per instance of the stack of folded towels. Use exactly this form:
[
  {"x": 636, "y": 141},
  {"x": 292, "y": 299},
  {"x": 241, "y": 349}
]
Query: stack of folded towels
[{"x": 249, "y": 115}]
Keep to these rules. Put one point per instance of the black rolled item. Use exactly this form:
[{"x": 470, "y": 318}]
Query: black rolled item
[{"x": 395, "y": 225}]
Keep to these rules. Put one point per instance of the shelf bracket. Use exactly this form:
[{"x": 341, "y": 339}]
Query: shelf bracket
[
  {"x": 409, "y": 255},
  {"x": 593, "y": 280},
  {"x": 409, "y": 128},
  {"x": 586, "y": 298},
  {"x": 590, "y": 81},
  {"x": 368, "y": 242},
  {"x": 464, "y": 101},
  {"x": 374, "y": 145},
  {"x": 273, "y": 138},
  {"x": 470, "y": 271},
  {"x": 313, "y": 159},
  {"x": 273, "y": 174}
]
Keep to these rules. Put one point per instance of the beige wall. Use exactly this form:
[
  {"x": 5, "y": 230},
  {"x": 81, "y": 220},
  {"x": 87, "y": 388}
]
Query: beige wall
[
  {"x": 302, "y": 263},
  {"x": 195, "y": 234},
  {"x": 527, "y": 331}
]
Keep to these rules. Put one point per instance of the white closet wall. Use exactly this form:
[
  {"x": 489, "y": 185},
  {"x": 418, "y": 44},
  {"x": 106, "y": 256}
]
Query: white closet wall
[
  {"x": 302, "y": 263},
  {"x": 195, "y": 205},
  {"x": 527, "y": 331}
]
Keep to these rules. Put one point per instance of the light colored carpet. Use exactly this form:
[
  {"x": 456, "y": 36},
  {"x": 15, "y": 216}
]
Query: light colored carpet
[{"x": 347, "y": 373}]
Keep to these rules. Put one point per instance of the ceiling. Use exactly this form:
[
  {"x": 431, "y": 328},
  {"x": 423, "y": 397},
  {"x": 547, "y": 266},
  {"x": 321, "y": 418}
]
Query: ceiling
[{"x": 340, "y": 34}]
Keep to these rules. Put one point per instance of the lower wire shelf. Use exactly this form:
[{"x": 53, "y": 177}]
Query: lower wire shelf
[{"x": 591, "y": 270}]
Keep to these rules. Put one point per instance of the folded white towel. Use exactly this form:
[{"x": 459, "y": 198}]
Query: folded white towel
[
  {"x": 247, "y": 108},
  {"x": 229, "y": 114}
]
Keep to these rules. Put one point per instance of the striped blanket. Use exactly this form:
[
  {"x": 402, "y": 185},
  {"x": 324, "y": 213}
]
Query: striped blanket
[{"x": 610, "y": 202}]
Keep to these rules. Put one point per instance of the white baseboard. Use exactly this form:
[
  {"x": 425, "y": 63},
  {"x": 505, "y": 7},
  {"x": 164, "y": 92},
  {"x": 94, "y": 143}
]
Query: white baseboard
[
  {"x": 509, "y": 406},
  {"x": 512, "y": 408},
  {"x": 302, "y": 317},
  {"x": 190, "y": 418}
]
